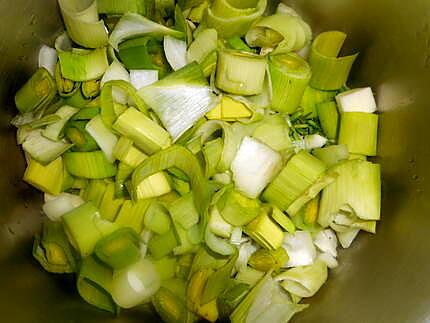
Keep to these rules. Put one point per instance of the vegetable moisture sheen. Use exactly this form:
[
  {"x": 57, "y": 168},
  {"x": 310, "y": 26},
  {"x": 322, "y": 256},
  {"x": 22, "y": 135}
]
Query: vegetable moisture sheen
[{"x": 191, "y": 158}]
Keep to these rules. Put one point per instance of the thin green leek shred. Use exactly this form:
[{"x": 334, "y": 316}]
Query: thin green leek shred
[
  {"x": 332, "y": 155},
  {"x": 359, "y": 131},
  {"x": 237, "y": 209},
  {"x": 91, "y": 165},
  {"x": 95, "y": 191},
  {"x": 46, "y": 178},
  {"x": 76, "y": 133},
  {"x": 83, "y": 24},
  {"x": 162, "y": 245},
  {"x": 52, "y": 249},
  {"x": 115, "y": 7},
  {"x": 94, "y": 284},
  {"x": 110, "y": 205},
  {"x": 329, "y": 72},
  {"x": 184, "y": 212},
  {"x": 83, "y": 65},
  {"x": 132, "y": 215},
  {"x": 233, "y": 17},
  {"x": 312, "y": 97},
  {"x": 329, "y": 118},
  {"x": 36, "y": 93},
  {"x": 66, "y": 88},
  {"x": 290, "y": 75},
  {"x": 119, "y": 249},
  {"x": 240, "y": 73},
  {"x": 218, "y": 281},
  {"x": 283, "y": 220},
  {"x": 157, "y": 218},
  {"x": 144, "y": 53}
]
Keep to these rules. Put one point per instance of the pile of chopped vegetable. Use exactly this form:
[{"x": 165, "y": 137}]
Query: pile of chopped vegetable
[{"x": 201, "y": 155}]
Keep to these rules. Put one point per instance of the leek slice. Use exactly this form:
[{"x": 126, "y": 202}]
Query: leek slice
[
  {"x": 249, "y": 276},
  {"x": 204, "y": 44},
  {"x": 119, "y": 249},
  {"x": 264, "y": 231},
  {"x": 146, "y": 134},
  {"x": 153, "y": 186},
  {"x": 95, "y": 191},
  {"x": 329, "y": 118},
  {"x": 90, "y": 89},
  {"x": 313, "y": 97},
  {"x": 274, "y": 132},
  {"x": 105, "y": 139},
  {"x": 169, "y": 306},
  {"x": 53, "y": 251},
  {"x": 54, "y": 130},
  {"x": 218, "y": 245},
  {"x": 83, "y": 65},
  {"x": 357, "y": 100},
  {"x": 82, "y": 141},
  {"x": 43, "y": 149},
  {"x": 157, "y": 219},
  {"x": 116, "y": 71},
  {"x": 326, "y": 241},
  {"x": 231, "y": 298},
  {"x": 180, "y": 99},
  {"x": 36, "y": 93},
  {"x": 60, "y": 205},
  {"x": 66, "y": 88},
  {"x": 46, "y": 178},
  {"x": 332, "y": 155},
  {"x": 237, "y": 209},
  {"x": 283, "y": 220},
  {"x": 230, "y": 109},
  {"x": 281, "y": 32},
  {"x": 162, "y": 245},
  {"x": 133, "y": 25},
  {"x": 82, "y": 24},
  {"x": 212, "y": 154},
  {"x": 183, "y": 211},
  {"x": 290, "y": 74},
  {"x": 142, "y": 78},
  {"x": 208, "y": 65},
  {"x": 109, "y": 205},
  {"x": 240, "y": 73},
  {"x": 300, "y": 249},
  {"x": 132, "y": 215},
  {"x": 125, "y": 152},
  {"x": 48, "y": 59},
  {"x": 359, "y": 131},
  {"x": 358, "y": 186},
  {"x": 233, "y": 18},
  {"x": 92, "y": 165},
  {"x": 114, "y": 7},
  {"x": 324, "y": 61},
  {"x": 175, "y": 51},
  {"x": 238, "y": 44},
  {"x": 95, "y": 285},
  {"x": 254, "y": 166},
  {"x": 304, "y": 281},
  {"x": 265, "y": 260},
  {"x": 218, "y": 225}
]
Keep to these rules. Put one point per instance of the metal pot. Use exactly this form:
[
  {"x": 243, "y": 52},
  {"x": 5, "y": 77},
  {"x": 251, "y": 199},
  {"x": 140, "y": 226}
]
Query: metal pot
[{"x": 381, "y": 278}]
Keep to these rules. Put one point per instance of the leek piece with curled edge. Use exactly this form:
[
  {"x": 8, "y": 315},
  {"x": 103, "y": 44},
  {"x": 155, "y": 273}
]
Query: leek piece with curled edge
[
  {"x": 240, "y": 73},
  {"x": 290, "y": 75},
  {"x": 92, "y": 165},
  {"x": 274, "y": 132},
  {"x": 47, "y": 178},
  {"x": 84, "y": 228},
  {"x": 254, "y": 166},
  {"x": 265, "y": 232},
  {"x": 358, "y": 186},
  {"x": 302, "y": 173},
  {"x": 157, "y": 218},
  {"x": 218, "y": 225},
  {"x": 116, "y": 71},
  {"x": 132, "y": 215},
  {"x": 359, "y": 131},
  {"x": 145, "y": 133},
  {"x": 104, "y": 138},
  {"x": 126, "y": 152},
  {"x": 324, "y": 61},
  {"x": 43, "y": 149},
  {"x": 166, "y": 267},
  {"x": 212, "y": 151},
  {"x": 54, "y": 130},
  {"x": 144, "y": 53},
  {"x": 332, "y": 155},
  {"x": 48, "y": 59},
  {"x": 183, "y": 211},
  {"x": 281, "y": 32},
  {"x": 115, "y": 7},
  {"x": 82, "y": 141},
  {"x": 312, "y": 97},
  {"x": 108, "y": 104},
  {"x": 233, "y": 17},
  {"x": 119, "y": 249},
  {"x": 83, "y": 24},
  {"x": 162, "y": 245},
  {"x": 83, "y": 65},
  {"x": 37, "y": 92},
  {"x": 237, "y": 209},
  {"x": 109, "y": 204},
  {"x": 304, "y": 281},
  {"x": 329, "y": 118},
  {"x": 175, "y": 51},
  {"x": 180, "y": 99},
  {"x": 357, "y": 100},
  {"x": 95, "y": 284},
  {"x": 204, "y": 44},
  {"x": 59, "y": 205},
  {"x": 52, "y": 249},
  {"x": 218, "y": 245},
  {"x": 133, "y": 25},
  {"x": 66, "y": 88}
]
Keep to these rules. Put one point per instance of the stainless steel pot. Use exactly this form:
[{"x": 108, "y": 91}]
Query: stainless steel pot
[{"x": 381, "y": 279}]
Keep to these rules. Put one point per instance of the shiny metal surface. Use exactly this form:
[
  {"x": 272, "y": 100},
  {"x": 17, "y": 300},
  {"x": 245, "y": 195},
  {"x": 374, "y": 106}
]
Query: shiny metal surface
[{"x": 381, "y": 279}]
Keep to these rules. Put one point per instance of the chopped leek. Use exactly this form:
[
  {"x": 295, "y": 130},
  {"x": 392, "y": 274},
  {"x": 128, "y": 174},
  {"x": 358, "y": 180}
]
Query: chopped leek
[
  {"x": 274, "y": 132},
  {"x": 300, "y": 249},
  {"x": 180, "y": 99},
  {"x": 109, "y": 205},
  {"x": 218, "y": 225},
  {"x": 359, "y": 131},
  {"x": 312, "y": 97},
  {"x": 116, "y": 71},
  {"x": 229, "y": 109},
  {"x": 142, "y": 78},
  {"x": 332, "y": 155},
  {"x": 36, "y": 93},
  {"x": 162, "y": 245},
  {"x": 264, "y": 231},
  {"x": 105, "y": 139},
  {"x": 183, "y": 211},
  {"x": 83, "y": 24},
  {"x": 157, "y": 219},
  {"x": 66, "y": 88},
  {"x": 240, "y": 73},
  {"x": 175, "y": 51},
  {"x": 133, "y": 25},
  {"x": 132, "y": 215},
  {"x": 114, "y": 7},
  {"x": 54, "y": 130},
  {"x": 283, "y": 220},
  {"x": 93, "y": 165},
  {"x": 290, "y": 75},
  {"x": 329, "y": 118},
  {"x": 170, "y": 307},
  {"x": 202, "y": 46},
  {"x": 48, "y": 179},
  {"x": 329, "y": 72},
  {"x": 237, "y": 209},
  {"x": 265, "y": 260},
  {"x": 48, "y": 59},
  {"x": 60, "y": 205},
  {"x": 357, "y": 100}
]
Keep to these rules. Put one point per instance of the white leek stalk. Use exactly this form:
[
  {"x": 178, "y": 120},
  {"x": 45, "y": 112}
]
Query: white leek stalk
[
  {"x": 326, "y": 241},
  {"x": 116, "y": 71},
  {"x": 59, "y": 205},
  {"x": 142, "y": 78},
  {"x": 357, "y": 100},
  {"x": 175, "y": 51},
  {"x": 315, "y": 141},
  {"x": 48, "y": 58},
  {"x": 103, "y": 136},
  {"x": 300, "y": 249}
]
